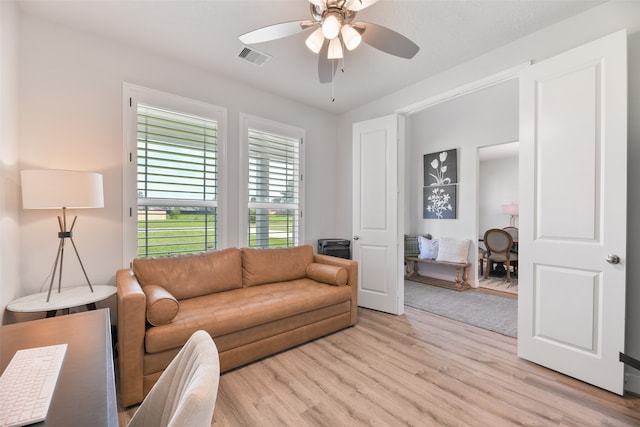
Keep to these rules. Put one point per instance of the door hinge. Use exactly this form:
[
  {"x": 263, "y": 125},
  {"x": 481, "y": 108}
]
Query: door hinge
[
  {"x": 130, "y": 212},
  {"x": 130, "y": 102}
]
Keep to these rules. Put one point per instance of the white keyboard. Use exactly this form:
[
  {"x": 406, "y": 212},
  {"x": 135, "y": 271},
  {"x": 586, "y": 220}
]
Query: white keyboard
[{"x": 26, "y": 386}]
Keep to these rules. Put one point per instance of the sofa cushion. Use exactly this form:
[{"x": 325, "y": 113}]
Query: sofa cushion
[
  {"x": 329, "y": 274},
  {"x": 162, "y": 307},
  {"x": 226, "y": 312},
  {"x": 189, "y": 276},
  {"x": 260, "y": 266}
]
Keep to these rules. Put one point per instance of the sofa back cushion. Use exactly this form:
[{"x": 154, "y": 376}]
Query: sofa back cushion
[
  {"x": 260, "y": 266},
  {"x": 188, "y": 276}
]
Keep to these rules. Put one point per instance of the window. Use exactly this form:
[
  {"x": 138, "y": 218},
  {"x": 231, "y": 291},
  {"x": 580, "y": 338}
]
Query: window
[
  {"x": 177, "y": 174},
  {"x": 274, "y": 190}
]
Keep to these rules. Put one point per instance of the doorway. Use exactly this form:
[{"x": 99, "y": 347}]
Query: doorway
[
  {"x": 498, "y": 208},
  {"x": 465, "y": 123},
  {"x": 574, "y": 241}
]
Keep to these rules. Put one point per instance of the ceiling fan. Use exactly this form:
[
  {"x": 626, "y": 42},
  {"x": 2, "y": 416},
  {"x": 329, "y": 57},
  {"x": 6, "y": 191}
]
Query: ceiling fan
[{"x": 335, "y": 31}]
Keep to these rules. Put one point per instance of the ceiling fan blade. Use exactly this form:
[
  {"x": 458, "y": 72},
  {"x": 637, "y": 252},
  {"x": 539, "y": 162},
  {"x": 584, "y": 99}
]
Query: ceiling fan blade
[
  {"x": 322, "y": 4},
  {"x": 387, "y": 40},
  {"x": 326, "y": 68},
  {"x": 357, "y": 5},
  {"x": 275, "y": 31}
]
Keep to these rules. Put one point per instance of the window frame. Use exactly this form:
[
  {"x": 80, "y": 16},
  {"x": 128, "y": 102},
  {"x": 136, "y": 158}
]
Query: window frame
[
  {"x": 134, "y": 95},
  {"x": 247, "y": 122}
]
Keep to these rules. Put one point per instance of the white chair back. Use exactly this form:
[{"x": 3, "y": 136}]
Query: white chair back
[{"x": 185, "y": 394}]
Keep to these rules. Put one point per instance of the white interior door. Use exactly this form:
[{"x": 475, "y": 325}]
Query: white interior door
[
  {"x": 573, "y": 158},
  {"x": 377, "y": 196}
]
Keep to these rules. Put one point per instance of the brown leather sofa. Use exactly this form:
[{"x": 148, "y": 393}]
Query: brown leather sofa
[{"x": 253, "y": 302}]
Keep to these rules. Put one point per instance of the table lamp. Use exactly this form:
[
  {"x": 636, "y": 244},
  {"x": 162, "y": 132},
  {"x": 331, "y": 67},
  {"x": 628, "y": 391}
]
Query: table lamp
[
  {"x": 62, "y": 189},
  {"x": 513, "y": 210}
]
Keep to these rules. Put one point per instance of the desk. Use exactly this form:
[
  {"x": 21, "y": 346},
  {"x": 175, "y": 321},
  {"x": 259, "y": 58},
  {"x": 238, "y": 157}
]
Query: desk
[
  {"x": 67, "y": 298},
  {"x": 85, "y": 394}
]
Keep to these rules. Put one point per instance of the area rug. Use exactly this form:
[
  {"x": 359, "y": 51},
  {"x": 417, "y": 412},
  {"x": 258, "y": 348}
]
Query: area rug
[
  {"x": 487, "y": 311},
  {"x": 499, "y": 284}
]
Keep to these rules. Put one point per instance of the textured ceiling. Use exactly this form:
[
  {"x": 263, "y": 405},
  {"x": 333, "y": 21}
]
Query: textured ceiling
[{"x": 205, "y": 33}]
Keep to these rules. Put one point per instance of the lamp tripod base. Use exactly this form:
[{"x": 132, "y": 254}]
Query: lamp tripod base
[{"x": 65, "y": 234}]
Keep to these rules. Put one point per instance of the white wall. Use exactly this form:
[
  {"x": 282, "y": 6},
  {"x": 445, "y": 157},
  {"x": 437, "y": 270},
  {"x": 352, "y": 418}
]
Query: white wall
[
  {"x": 573, "y": 32},
  {"x": 70, "y": 97},
  {"x": 497, "y": 186},
  {"x": 9, "y": 200}
]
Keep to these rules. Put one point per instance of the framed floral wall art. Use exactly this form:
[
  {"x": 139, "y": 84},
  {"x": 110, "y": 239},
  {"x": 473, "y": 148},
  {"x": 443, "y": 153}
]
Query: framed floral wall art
[
  {"x": 441, "y": 168},
  {"x": 440, "y": 185}
]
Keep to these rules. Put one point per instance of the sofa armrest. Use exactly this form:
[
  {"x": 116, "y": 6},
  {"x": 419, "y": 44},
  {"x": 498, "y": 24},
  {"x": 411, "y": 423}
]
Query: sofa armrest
[
  {"x": 131, "y": 331},
  {"x": 352, "y": 269}
]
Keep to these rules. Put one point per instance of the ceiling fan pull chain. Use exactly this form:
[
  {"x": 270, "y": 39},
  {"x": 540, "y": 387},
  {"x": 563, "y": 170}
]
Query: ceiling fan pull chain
[{"x": 333, "y": 67}]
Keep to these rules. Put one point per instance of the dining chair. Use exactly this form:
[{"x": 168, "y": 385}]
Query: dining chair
[
  {"x": 185, "y": 394},
  {"x": 514, "y": 235},
  {"x": 498, "y": 244}
]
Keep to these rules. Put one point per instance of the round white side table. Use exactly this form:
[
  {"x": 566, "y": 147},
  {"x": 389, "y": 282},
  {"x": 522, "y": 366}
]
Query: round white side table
[{"x": 66, "y": 299}]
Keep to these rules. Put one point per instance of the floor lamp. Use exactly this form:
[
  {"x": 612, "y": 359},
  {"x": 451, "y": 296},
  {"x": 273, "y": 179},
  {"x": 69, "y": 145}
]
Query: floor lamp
[
  {"x": 62, "y": 189},
  {"x": 513, "y": 211}
]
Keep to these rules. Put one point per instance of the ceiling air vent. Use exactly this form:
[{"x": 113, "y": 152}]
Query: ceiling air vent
[{"x": 254, "y": 56}]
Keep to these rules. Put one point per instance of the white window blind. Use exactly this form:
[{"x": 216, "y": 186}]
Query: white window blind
[
  {"x": 177, "y": 175},
  {"x": 274, "y": 189}
]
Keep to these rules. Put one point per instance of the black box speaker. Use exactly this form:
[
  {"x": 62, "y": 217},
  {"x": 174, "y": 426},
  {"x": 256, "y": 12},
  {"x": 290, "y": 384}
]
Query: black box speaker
[{"x": 340, "y": 248}]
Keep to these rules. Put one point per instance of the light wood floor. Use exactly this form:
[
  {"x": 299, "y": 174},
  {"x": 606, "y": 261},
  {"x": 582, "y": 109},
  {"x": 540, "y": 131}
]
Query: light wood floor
[{"x": 417, "y": 369}]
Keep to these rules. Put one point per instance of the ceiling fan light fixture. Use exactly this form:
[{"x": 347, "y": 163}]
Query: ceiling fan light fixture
[
  {"x": 350, "y": 37},
  {"x": 334, "y": 30},
  {"x": 315, "y": 40},
  {"x": 335, "y": 49},
  {"x": 331, "y": 25}
]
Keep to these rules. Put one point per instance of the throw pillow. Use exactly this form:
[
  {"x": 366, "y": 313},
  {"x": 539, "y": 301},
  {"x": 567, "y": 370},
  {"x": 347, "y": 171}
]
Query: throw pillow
[
  {"x": 453, "y": 250},
  {"x": 411, "y": 247},
  {"x": 329, "y": 274},
  {"x": 428, "y": 248},
  {"x": 162, "y": 307}
]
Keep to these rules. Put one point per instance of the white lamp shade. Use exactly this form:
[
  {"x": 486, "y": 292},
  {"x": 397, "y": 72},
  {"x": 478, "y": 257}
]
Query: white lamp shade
[
  {"x": 335, "y": 49},
  {"x": 512, "y": 209},
  {"x": 315, "y": 40},
  {"x": 52, "y": 189},
  {"x": 331, "y": 26},
  {"x": 350, "y": 37}
]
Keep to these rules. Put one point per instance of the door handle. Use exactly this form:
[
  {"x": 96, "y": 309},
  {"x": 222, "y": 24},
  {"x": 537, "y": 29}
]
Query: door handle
[
  {"x": 356, "y": 237},
  {"x": 613, "y": 259}
]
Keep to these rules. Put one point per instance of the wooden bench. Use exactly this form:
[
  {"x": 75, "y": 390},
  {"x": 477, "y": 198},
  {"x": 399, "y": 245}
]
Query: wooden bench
[{"x": 462, "y": 274}]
